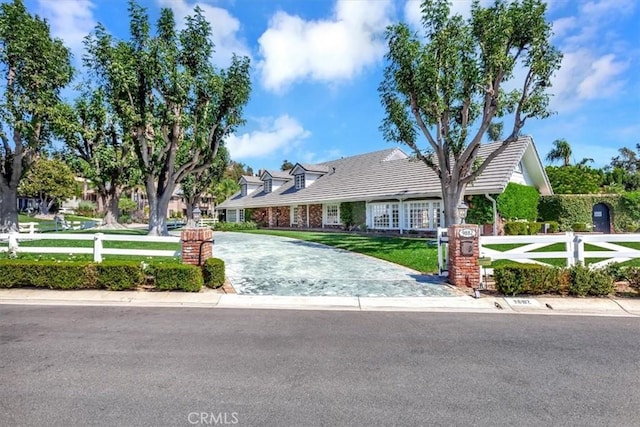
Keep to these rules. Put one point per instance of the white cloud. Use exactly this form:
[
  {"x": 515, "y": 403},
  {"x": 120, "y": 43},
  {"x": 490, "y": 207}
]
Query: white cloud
[
  {"x": 71, "y": 21},
  {"x": 601, "y": 81},
  {"x": 325, "y": 50},
  {"x": 225, "y": 28},
  {"x": 274, "y": 135}
]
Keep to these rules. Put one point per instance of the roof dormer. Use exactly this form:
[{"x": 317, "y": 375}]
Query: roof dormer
[
  {"x": 274, "y": 179},
  {"x": 249, "y": 184},
  {"x": 306, "y": 174}
]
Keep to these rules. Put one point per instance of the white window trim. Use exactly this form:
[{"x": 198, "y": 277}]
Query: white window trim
[
  {"x": 294, "y": 217},
  {"x": 325, "y": 216},
  {"x": 268, "y": 185},
  {"x": 300, "y": 181}
]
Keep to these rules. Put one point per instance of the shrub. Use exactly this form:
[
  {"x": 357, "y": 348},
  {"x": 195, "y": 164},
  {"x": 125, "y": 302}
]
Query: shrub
[
  {"x": 580, "y": 227},
  {"x": 554, "y": 227},
  {"x": 213, "y": 273},
  {"x": 535, "y": 227},
  {"x": 516, "y": 228},
  {"x": 618, "y": 271},
  {"x": 183, "y": 277},
  {"x": 529, "y": 279},
  {"x": 601, "y": 283},
  {"x": 86, "y": 208},
  {"x": 235, "y": 226},
  {"x": 580, "y": 280},
  {"x": 48, "y": 274},
  {"x": 519, "y": 201},
  {"x": 119, "y": 275},
  {"x": 633, "y": 276}
]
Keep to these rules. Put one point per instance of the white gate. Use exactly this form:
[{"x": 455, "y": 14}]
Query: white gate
[{"x": 443, "y": 252}]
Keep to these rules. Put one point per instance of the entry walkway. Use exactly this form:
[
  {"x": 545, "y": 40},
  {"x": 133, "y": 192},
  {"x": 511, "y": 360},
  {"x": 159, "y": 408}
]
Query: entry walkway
[{"x": 271, "y": 265}]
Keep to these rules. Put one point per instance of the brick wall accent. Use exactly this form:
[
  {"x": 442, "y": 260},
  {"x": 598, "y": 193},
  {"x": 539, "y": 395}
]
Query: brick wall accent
[
  {"x": 279, "y": 216},
  {"x": 197, "y": 245},
  {"x": 463, "y": 270},
  {"x": 315, "y": 216},
  {"x": 302, "y": 216},
  {"x": 260, "y": 216}
]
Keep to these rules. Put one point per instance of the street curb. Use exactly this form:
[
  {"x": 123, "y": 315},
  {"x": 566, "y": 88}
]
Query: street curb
[{"x": 211, "y": 299}]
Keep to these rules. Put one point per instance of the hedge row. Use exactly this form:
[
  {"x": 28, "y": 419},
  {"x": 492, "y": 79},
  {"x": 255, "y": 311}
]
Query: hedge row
[
  {"x": 112, "y": 275},
  {"x": 235, "y": 226},
  {"x": 538, "y": 279},
  {"x": 523, "y": 228}
]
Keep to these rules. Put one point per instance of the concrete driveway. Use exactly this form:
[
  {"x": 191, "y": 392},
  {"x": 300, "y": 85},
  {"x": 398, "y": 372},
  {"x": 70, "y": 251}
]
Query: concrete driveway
[{"x": 272, "y": 265}]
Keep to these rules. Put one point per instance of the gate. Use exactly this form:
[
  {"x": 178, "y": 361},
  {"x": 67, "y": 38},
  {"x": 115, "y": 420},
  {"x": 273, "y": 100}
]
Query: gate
[{"x": 443, "y": 252}]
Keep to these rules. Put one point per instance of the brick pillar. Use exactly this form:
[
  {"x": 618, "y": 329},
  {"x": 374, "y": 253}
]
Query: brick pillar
[
  {"x": 197, "y": 245},
  {"x": 464, "y": 251}
]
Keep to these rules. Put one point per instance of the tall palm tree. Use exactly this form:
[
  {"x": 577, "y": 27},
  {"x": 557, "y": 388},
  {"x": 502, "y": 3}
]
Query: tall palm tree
[{"x": 561, "y": 151}]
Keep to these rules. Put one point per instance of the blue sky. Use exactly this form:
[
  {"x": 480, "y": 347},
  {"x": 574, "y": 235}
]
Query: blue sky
[{"x": 316, "y": 66}]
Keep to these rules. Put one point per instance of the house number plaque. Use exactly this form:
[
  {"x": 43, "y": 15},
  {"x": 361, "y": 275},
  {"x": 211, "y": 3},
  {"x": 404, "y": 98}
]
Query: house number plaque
[{"x": 467, "y": 233}]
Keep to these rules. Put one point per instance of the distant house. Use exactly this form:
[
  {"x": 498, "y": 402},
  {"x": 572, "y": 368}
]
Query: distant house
[{"x": 388, "y": 190}]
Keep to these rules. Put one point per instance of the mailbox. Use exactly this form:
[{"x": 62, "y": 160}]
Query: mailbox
[{"x": 467, "y": 241}]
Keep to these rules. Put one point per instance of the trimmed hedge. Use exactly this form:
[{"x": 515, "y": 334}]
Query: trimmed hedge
[
  {"x": 120, "y": 275},
  {"x": 235, "y": 226},
  {"x": 539, "y": 279},
  {"x": 183, "y": 277},
  {"x": 47, "y": 274},
  {"x": 569, "y": 209},
  {"x": 519, "y": 202},
  {"x": 213, "y": 273}
]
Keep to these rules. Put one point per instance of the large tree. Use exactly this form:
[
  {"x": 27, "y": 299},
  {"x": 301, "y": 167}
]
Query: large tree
[
  {"x": 171, "y": 99},
  {"x": 50, "y": 180},
  {"x": 445, "y": 87},
  {"x": 34, "y": 68},
  {"x": 100, "y": 151}
]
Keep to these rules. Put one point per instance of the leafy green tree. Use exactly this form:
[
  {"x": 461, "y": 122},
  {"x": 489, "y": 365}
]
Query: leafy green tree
[
  {"x": 574, "y": 179},
  {"x": 448, "y": 86},
  {"x": 561, "y": 151},
  {"x": 176, "y": 104},
  {"x": 197, "y": 184},
  {"x": 100, "y": 150},
  {"x": 236, "y": 169},
  {"x": 226, "y": 188},
  {"x": 50, "y": 180},
  {"x": 494, "y": 132},
  {"x": 286, "y": 165},
  {"x": 35, "y": 67}
]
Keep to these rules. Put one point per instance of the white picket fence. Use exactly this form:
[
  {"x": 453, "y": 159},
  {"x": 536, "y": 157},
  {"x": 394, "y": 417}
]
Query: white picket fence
[
  {"x": 574, "y": 248},
  {"x": 97, "y": 250}
]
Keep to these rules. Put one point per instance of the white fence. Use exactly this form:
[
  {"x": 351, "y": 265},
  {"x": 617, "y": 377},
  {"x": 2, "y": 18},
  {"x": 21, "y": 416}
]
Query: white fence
[
  {"x": 607, "y": 246},
  {"x": 97, "y": 250}
]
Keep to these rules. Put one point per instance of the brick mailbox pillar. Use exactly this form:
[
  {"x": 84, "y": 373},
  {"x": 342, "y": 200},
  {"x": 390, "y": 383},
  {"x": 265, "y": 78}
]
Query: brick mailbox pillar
[
  {"x": 197, "y": 245},
  {"x": 464, "y": 251}
]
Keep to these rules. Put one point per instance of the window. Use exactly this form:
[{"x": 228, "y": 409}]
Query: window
[
  {"x": 437, "y": 215},
  {"x": 332, "y": 215},
  {"x": 267, "y": 186},
  {"x": 241, "y": 215},
  {"x": 294, "y": 214},
  {"x": 231, "y": 215},
  {"x": 299, "y": 181},
  {"x": 243, "y": 190},
  {"x": 385, "y": 215},
  {"x": 417, "y": 215}
]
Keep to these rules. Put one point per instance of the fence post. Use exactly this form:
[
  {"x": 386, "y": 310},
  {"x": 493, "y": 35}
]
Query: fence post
[
  {"x": 13, "y": 243},
  {"x": 579, "y": 250},
  {"x": 97, "y": 247},
  {"x": 570, "y": 248}
]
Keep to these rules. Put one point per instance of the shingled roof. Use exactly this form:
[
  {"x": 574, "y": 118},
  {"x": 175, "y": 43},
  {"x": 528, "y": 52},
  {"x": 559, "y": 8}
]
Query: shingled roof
[{"x": 391, "y": 174}]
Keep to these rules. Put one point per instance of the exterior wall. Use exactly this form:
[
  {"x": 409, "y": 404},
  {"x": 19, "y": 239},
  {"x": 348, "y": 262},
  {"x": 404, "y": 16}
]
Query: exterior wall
[
  {"x": 260, "y": 216},
  {"x": 197, "y": 245},
  {"x": 315, "y": 216},
  {"x": 279, "y": 216}
]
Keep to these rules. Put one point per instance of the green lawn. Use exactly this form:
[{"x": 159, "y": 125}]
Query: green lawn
[{"x": 410, "y": 252}]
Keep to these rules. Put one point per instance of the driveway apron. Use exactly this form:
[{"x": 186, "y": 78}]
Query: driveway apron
[{"x": 273, "y": 265}]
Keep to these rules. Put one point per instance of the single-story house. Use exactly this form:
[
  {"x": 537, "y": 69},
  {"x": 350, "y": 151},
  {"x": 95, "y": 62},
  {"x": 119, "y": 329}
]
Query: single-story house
[{"x": 389, "y": 190}]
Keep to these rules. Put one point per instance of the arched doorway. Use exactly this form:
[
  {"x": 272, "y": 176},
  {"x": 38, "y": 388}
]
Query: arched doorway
[{"x": 601, "y": 218}]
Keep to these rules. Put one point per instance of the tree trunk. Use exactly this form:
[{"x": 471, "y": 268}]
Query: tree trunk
[
  {"x": 191, "y": 203},
  {"x": 452, "y": 195},
  {"x": 111, "y": 212},
  {"x": 8, "y": 208},
  {"x": 158, "y": 207}
]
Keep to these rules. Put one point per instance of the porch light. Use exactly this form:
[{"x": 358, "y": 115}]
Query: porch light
[
  {"x": 197, "y": 215},
  {"x": 462, "y": 211}
]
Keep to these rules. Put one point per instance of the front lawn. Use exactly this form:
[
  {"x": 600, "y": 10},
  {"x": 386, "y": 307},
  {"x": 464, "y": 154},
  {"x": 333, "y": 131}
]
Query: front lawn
[{"x": 410, "y": 252}]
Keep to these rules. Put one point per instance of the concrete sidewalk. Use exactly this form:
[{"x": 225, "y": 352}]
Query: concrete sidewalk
[{"x": 625, "y": 307}]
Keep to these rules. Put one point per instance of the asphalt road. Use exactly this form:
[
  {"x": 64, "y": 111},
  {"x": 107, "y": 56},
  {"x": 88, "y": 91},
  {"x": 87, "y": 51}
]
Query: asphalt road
[{"x": 83, "y": 366}]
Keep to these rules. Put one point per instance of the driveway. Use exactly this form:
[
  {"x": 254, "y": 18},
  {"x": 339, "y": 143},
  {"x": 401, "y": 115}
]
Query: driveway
[{"x": 272, "y": 265}]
